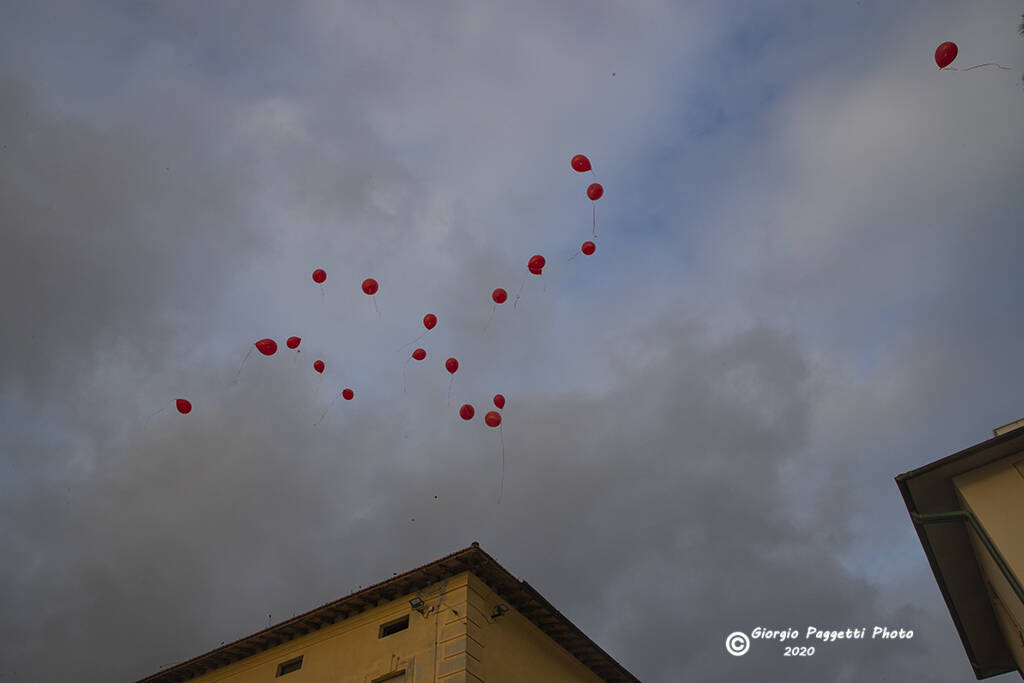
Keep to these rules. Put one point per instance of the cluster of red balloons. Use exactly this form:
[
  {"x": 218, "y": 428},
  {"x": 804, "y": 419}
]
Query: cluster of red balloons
[
  {"x": 467, "y": 411},
  {"x": 581, "y": 164},
  {"x": 595, "y": 191},
  {"x": 268, "y": 347},
  {"x": 370, "y": 287},
  {"x": 492, "y": 419},
  {"x": 369, "y": 284}
]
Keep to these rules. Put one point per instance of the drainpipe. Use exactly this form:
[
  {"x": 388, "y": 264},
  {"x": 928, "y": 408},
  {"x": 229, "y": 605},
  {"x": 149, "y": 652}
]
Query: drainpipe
[{"x": 964, "y": 515}]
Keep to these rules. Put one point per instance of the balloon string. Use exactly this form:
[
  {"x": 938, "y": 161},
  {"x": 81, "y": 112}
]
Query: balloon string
[
  {"x": 976, "y": 66},
  {"x": 515, "y": 303},
  {"x": 594, "y": 222},
  {"x": 501, "y": 486},
  {"x": 328, "y": 409},
  {"x": 150, "y": 418},
  {"x": 375, "y": 306},
  {"x": 242, "y": 366},
  {"x": 323, "y": 298},
  {"x": 450, "y": 389},
  {"x": 413, "y": 341},
  {"x": 578, "y": 252},
  {"x": 155, "y": 414}
]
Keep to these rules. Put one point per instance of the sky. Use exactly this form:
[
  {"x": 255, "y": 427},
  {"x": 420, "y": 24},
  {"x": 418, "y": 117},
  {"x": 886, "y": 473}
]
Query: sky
[{"x": 806, "y": 282}]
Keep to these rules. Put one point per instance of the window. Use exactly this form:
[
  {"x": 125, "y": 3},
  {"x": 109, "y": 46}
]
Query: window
[
  {"x": 289, "y": 666},
  {"x": 393, "y": 676},
  {"x": 394, "y": 627}
]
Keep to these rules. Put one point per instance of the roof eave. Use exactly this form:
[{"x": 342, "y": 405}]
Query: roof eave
[
  {"x": 941, "y": 497},
  {"x": 472, "y": 559}
]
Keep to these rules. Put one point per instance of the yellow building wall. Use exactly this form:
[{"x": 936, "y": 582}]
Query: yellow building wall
[
  {"x": 454, "y": 642},
  {"x": 351, "y": 651},
  {"x": 513, "y": 649},
  {"x": 995, "y": 495}
]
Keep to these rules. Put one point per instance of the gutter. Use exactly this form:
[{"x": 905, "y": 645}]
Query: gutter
[{"x": 993, "y": 551}]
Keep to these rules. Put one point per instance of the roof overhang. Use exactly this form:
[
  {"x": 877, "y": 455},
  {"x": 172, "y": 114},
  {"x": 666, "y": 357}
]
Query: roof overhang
[
  {"x": 929, "y": 490},
  {"x": 518, "y": 594}
]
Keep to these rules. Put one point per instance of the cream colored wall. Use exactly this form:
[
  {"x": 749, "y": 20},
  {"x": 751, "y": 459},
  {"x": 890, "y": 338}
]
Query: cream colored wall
[
  {"x": 455, "y": 642},
  {"x": 350, "y": 651},
  {"x": 512, "y": 649},
  {"x": 995, "y": 495}
]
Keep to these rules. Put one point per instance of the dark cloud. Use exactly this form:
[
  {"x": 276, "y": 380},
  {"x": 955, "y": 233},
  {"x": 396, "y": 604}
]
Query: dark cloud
[
  {"x": 802, "y": 287},
  {"x": 681, "y": 494}
]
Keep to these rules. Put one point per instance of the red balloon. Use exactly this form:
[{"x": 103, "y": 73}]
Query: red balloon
[
  {"x": 268, "y": 347},
  {"x": 499, "y": 295},
  {"x": 293, "y": 342},
  {"x": 945, "y": 54},
  {"x": 595, "y": 191},
  {"x": 493, "y": 419},
  {"x": 536, "y": 264},
  {"x": 319, "y": 275},
  {"x": 429, "y": 320},
  {"x": 319, "y": 366},
  {"x": 467, "y": 412},
  {"x": 348, "y": 394},
  {"x": 499, "y": 401},
  {"x": 184, "y": 407},
  {"x": 588, "y": 248},
  {"x": 580, "y": 163},
  {"x": 451, "y": 365},
  {"x": 370, "y": 286},
  {"x": 536, "y": 271},
  {"x": 419, "y": 354}
]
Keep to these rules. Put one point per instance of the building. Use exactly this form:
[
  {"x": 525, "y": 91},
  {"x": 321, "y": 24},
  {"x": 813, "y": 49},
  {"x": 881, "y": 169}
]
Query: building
[
  {"x": 460, "y": 619},
  {"x": 968, "y": 510}
]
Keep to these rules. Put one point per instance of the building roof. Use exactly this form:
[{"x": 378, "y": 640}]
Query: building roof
[
  {"x": 518, "y": 594},
  {"x": 930, "y": 490}
]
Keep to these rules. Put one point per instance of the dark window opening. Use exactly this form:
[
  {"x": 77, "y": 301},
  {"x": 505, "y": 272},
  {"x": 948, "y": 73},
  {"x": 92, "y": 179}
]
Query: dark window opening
[
  {"x": 394, "y": 626},
  {"x": 393, "y": 676},
  {"x": 289, "y": 666}
]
